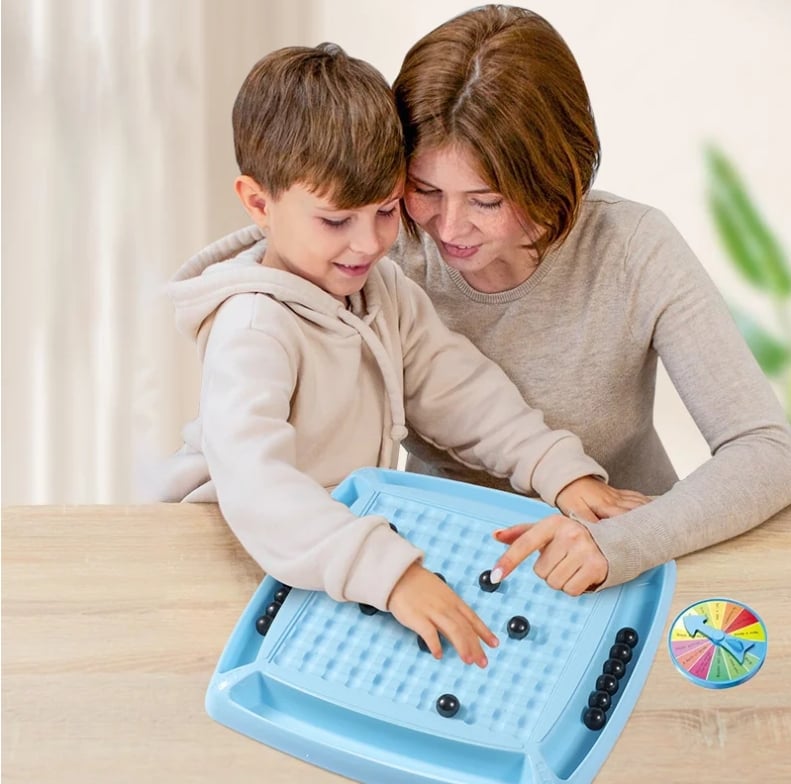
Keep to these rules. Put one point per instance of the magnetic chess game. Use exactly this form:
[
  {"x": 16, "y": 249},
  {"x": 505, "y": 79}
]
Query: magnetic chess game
[{"x": 349, "y": 689}]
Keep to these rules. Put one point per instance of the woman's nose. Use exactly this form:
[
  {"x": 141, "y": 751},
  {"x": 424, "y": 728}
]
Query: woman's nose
[{"x": 451, "y": 220}]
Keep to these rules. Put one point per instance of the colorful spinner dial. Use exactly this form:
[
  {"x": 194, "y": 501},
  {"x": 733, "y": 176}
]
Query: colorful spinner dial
[{"x": 717, "y": 643}]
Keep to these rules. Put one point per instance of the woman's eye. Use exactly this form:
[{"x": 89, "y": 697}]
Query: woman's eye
[
  {"x": 488, "y": 205},
  {"x": 425, "y": 191},
  {"x": 335, "y": 224}
]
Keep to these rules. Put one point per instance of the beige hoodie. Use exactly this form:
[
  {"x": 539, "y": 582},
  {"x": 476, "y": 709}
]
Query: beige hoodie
[{"x": 298, "y": 391}]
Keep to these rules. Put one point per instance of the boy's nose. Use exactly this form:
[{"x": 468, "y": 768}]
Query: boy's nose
[{"x": 366, "y": 241}]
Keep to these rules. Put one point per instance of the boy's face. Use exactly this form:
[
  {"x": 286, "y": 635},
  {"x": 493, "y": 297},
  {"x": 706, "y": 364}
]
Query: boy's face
[{"x": 334, "y": 249}]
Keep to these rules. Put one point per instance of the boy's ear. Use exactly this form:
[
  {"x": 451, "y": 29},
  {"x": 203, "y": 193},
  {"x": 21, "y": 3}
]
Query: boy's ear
[{"x": 253, "y": 199}]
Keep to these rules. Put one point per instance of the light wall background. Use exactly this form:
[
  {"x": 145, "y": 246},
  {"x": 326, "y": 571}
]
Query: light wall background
[{"x": 117, "y": 164}]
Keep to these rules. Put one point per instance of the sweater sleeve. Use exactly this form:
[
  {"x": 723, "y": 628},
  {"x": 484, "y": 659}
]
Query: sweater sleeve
[
  {"x": 676, "y": 308},
  {"x": 285, "y": 520},
  {"x": 462, "y": 402}
]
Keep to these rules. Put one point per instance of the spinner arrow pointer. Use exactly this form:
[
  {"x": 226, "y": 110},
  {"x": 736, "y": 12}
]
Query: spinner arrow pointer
[{"x": 695, "y": 624}]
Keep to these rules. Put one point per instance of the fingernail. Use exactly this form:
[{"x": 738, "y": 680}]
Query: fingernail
[
  {"x": 496, "y": 575},
  {"x": 498, "y": 532}
]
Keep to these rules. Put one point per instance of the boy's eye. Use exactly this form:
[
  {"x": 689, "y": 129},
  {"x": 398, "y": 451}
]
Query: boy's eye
[
  {"x": 387, "y": 213},
  {"x": 335, "y": 224}
]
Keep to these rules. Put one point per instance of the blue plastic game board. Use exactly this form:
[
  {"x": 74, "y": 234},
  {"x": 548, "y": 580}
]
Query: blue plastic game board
[{"x": 354, "y": 693}]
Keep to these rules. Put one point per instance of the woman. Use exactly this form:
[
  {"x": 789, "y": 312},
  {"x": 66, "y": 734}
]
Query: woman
[{"x": 576, "y": 294}]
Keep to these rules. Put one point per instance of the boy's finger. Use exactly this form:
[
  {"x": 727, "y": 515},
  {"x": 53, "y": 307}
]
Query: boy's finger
[
  {"x": 477, "y": 655},
  {"x": 635, "y": 497},
  {"x": 431, "y": 639},
  {"x": 636, "y": 500},
  {"x": 623, "y": 501},
  {"x": 464, "y": 640},
  {"x": 481, "y": 629}
]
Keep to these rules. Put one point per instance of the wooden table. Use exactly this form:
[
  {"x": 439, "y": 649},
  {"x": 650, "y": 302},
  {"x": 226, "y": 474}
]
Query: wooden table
[{"x": 114, "y": 618}]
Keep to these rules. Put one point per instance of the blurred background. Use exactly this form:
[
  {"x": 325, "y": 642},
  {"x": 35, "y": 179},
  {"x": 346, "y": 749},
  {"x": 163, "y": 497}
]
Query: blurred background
[{"x": 117, "y": 164}]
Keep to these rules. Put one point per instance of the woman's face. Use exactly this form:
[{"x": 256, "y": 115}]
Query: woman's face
[{"x": 476, "y": 230}]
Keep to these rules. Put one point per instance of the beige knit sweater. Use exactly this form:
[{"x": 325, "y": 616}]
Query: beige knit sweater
[{"x": 581, "y": 339}]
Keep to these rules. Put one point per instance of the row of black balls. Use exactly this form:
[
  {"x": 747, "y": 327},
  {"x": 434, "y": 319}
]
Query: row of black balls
[
  {"x": 594, "y": 716},
  {"x": 263, "y": 623}
]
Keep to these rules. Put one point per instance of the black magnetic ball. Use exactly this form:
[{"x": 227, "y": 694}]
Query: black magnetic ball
[
  {"x": 608, "y": 683},
  {"x": 628, "y": 636},
  {"x": 594, "y": 718},
  {"x": 518, "y": 627},
  {"x": 447, "y": 705},
  {"x": 441, "y": 576},
  {"x": 262, "y": 624},
  {"x": 281, "y": 593},
  {"x": 614, "y": 667},
  {"x": 599, "y": 699},
  {"x": 421, "y": 643},
  {"x": 272, "y": 609},
  {"x": 621, "y": 651},
  {"x": 485, "y": 581},
  {"x": 368, "y": 609}
]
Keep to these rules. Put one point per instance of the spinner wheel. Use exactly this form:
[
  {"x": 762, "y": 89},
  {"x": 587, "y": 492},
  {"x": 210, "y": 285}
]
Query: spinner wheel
[{"x": 717, "y": 643}]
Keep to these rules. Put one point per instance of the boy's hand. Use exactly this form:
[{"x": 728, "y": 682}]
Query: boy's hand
[
  {"x": 591, "y": 499},
  {"x": 424, "y": 603},
  {"x": 570, "y": 561}
]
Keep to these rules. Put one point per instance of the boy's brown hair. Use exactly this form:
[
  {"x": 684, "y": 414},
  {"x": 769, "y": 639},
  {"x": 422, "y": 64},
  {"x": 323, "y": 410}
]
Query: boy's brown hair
[
  {"x": 501, "y": 83},
  {"x": 318, "y": 117}
]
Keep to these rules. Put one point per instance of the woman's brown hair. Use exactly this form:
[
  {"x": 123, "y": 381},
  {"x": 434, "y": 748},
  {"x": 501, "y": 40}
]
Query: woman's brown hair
[{"x": 500, "y": 82}]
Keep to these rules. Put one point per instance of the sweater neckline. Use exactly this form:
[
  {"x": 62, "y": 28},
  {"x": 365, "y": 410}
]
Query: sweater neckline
[{"x": 509, "y": 295}]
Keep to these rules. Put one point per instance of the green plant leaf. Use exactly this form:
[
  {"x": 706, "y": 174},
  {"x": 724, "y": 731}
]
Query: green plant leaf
[
  {"x": 772, "y": 355},
  {"x": 752, "y": 247}
]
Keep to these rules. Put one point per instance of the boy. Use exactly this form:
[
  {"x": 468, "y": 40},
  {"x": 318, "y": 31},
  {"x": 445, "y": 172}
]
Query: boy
[{"x": 315, "y": 351}]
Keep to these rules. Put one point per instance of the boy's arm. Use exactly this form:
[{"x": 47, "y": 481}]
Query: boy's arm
[
  {"x": 286, "y": 521},
  {"x": 459, "y": 400}
]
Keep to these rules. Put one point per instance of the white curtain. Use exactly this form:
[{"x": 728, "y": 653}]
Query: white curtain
[{"x": 117, "y": 165}]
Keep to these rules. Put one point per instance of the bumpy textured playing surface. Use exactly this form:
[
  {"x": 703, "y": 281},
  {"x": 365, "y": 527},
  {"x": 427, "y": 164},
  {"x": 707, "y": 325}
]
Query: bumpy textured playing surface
[
  {"x": 354, "y": 693},
  {"x": 717, "y": 643}
]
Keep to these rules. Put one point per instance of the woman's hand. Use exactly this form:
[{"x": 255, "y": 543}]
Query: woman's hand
[
  {"x": 569, "y": 560},
  {"x": 424, "y": 603}
]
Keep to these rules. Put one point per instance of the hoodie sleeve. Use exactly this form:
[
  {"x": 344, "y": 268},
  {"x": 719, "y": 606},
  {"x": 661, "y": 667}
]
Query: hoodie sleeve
[
  {"x": 462, "y": 402},
  {"x": 287, "y": 521}
]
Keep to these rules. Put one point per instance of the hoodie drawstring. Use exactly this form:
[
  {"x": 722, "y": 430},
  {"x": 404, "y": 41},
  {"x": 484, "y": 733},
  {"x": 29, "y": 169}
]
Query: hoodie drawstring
[{"x": 398, "y": 431}]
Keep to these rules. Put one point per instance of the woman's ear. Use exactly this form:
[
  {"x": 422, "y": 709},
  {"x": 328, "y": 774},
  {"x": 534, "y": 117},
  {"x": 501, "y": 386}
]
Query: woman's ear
[{"x": 253, "y": 199}]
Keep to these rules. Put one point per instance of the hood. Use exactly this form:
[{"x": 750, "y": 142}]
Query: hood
[{"x": 231, "y": 265}]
